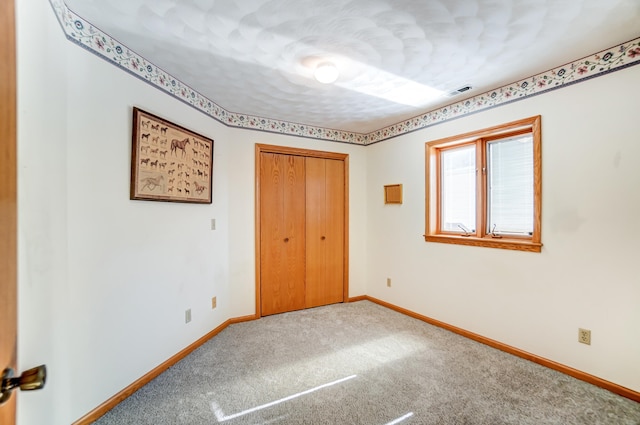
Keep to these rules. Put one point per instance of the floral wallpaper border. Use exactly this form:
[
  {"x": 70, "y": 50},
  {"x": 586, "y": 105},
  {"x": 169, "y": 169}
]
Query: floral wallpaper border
[
  {"x": 86, "y": 35},
  {"x": 601, "y": 63}
]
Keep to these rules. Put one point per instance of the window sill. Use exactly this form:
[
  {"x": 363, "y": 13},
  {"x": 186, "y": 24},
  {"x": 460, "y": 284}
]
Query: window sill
[{"x": 502, "y": 243}]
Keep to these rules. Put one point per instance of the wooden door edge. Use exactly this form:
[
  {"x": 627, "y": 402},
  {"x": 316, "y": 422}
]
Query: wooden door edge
[
  {"x": 258, "y": 151},
  {"x": 345, "y": 295},
  {"x": 8, "y": 194}
]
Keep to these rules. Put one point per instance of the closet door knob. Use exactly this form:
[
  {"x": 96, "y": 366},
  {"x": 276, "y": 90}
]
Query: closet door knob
[
  {"x": 323, "y": 238},
  {"x": 286, "y": 239}
]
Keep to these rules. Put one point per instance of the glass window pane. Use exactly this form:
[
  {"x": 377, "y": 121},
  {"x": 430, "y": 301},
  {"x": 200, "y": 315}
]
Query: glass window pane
[
  {"x": 510, "y": 185},
  {"x": 458, "y": 191}
]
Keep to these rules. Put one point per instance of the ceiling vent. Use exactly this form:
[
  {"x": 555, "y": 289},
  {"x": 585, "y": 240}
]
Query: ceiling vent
[{"x": 458, "y": 91}]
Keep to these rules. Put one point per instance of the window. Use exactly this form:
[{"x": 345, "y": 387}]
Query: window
[{"x": 484, "y": 187}]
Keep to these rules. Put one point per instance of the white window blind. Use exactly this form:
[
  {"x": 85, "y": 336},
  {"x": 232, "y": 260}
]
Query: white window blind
[
  {"x": 510, "y": 185},
  {"x": 458, "y": 177}
]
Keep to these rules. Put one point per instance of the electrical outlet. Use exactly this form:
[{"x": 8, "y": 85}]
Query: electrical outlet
[
  {"x": 584, "y": 336},
  {"x": 187, "y": 316},
  {"x": 213, "y": 303},
  {"x": 389, "y": 282}
]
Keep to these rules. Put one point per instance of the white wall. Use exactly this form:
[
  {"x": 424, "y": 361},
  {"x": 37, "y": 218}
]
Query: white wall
[
  {"x": 42, "y": 209},
  {"x": 104, "y": 281},
  {"x": 587, "y": 274}
]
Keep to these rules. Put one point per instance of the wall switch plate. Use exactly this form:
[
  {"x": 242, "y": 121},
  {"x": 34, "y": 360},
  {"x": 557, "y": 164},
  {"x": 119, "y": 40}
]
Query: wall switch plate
[
  {"x": 584, "y": 336},
  {"x": 214, "y": 303},
  {"x": 187, "y": 316},
  {"x": 389, "y": 282},
  {"x": 213, "y": 224}
]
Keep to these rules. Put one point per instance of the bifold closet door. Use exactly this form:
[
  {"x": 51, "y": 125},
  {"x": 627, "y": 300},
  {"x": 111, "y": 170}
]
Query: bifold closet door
[
  {"x": 282, "y": 233},
  {"x": 324, "y": 231}
]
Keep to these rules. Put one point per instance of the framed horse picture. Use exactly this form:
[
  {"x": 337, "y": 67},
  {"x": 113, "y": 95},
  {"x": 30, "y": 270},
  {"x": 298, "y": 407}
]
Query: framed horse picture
[{"x": 168, "y": 162}]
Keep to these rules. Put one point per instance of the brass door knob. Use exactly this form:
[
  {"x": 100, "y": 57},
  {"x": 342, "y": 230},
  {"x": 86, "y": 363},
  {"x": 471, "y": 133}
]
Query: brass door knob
[
  {"x": 32, "y": 379},
  {"x": 286, "y": 239},
  {"x": 323, "y": 238}
]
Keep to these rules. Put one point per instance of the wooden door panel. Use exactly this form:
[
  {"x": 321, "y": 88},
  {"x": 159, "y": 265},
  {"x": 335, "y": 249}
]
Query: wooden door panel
[
  {"x": 282, "y": 233},
  {"x": 325, "y": 230},
  {"x": 316, "y": 242},
  {"x": 334, "y": 230},
  {"x": 315, "y": 274},
  {"x": 294, "y": 237}
]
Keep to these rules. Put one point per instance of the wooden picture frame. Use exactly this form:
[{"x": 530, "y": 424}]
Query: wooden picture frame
[
  {"x": 168, "y": 162},
  {"x": 393, "y": 194}
]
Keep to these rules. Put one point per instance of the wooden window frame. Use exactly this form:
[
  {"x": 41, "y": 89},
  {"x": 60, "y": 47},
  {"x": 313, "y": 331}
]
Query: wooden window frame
[{"x": 482, "y": 236}]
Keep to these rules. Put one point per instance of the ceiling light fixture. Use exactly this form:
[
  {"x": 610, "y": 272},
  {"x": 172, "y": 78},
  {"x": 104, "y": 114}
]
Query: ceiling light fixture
[{"x": 326, "y": 73}]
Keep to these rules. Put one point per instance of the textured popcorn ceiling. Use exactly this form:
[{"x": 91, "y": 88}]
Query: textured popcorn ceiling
[{"x": 257, "y": 57}]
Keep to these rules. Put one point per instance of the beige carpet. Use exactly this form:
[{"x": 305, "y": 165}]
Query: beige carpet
[{"x": 361, "y": 363}]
